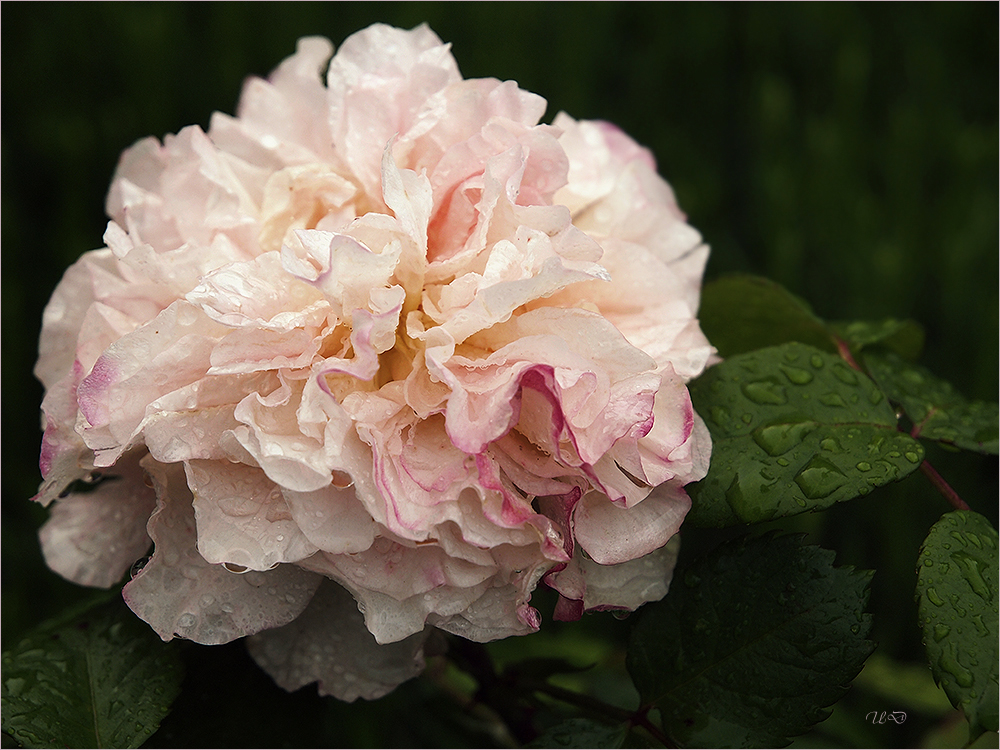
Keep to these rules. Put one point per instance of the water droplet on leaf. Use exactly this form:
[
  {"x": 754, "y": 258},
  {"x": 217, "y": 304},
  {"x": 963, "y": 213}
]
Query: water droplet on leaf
[
  {"x": 765, "y": 392},
  {"x": 820, "y": 479},
  {"x": 932, "y": 596},
  {"x": 797, "y": 375},
  {"x": 777, "y": 439}
]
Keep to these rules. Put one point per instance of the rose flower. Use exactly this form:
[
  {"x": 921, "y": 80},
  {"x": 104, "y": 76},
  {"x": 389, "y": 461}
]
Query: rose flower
[{"x": 371, "y": 358}]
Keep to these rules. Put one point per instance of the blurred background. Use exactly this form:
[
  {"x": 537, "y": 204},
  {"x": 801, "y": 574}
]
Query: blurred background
[{"x": 846, "y": 151}]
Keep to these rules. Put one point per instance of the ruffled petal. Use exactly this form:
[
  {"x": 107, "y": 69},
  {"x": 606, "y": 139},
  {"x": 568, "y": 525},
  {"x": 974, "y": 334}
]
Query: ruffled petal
[
  {"x": 179, "y": 593},
  {"x": 329, "y": 644},
  {"x": 242, "y": 517},
  {"x": 93, "y": 537},
  {"x": 586, "y": 586},
  {"x": 612, "y": 535}
]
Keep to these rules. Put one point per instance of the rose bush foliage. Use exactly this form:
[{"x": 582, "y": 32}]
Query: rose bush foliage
[{"x": 378, "y": 355}]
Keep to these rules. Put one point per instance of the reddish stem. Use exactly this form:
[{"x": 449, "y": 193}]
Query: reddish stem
[
  {"x": 844, "y": 350},
  {"x": 942, "y": 486}
]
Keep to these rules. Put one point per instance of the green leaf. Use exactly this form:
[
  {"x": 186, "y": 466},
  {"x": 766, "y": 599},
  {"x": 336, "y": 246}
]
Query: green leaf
[
  {"x": 793, "y": 429},
  {"x": 904, "y": 337},
  {"x": 741, "y": 313},
  {"x": 97, "y": 678},
  {"x": 957, "y": 607},
  {"x": 937, "y": 410},
  {"x": 752, "y": 643},
  {"x": 582, "y": 733}
]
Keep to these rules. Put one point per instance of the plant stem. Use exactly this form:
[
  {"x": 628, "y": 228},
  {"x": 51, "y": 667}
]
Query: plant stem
[
  {"x": 844, "y": 350},
  {"x": 942, "y": 486},
  {"x": 636, "y": 718}
]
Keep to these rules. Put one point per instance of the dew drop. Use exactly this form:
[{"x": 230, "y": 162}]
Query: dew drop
[
  {"x": 832, "y": 445},
  {"x": 227, "y": 608},
  {"x": 972, "y": 574},
  {"x": 207, "y": 600},
  {"x": 747, "y": 418},
  {"x": 797, "y": 375},
  {"x": 844, "y": 373},
  {"x": 234, "y": 568},
  {"x": 941, "y": 631},
  {"x": 186, "y": 620},
  {"x": 15, "y": 685},
  {"x": 832, "y": 399},
  {"x": 820, "y": 479},
  {"x": 949, "y": 663},
  {"x": 977, "y": 620},
  {"x": 778, "y": 439},
  {"x": 816, "y": 361},
  {"x": 911, "y": 457},
  {"x": 933, "y": 598},
  {"x": 765, "y": 392},
  {"x": 720, "y": 416},
  {"x": 863, "y": 466}
]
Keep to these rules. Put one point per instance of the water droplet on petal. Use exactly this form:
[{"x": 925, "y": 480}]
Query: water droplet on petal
[
  {"x": 234, "y": 568},
  {"x": 186, "y": 620}
]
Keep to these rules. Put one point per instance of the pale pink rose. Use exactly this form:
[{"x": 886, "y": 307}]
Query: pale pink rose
[{"x": 375, "y": 357}]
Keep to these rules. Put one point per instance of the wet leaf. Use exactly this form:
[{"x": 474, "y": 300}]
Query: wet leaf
[
  {"x": 793, "y": 429},
  {"x": 957, "y": 609},
  {"x": 741, "y": 313},
  {"x": 937, "y": 410},
  {"x": 752, "y": 644},
  {"x": 99, "y": 678},
  {"x": 583, "y": 733},
  {"x": 904, "y": 337}
]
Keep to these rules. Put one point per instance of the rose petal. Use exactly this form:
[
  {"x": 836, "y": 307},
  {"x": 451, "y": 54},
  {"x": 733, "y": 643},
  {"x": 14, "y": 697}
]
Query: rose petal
[
  {"x": 586, "y": 586},
  {"x": 242, "y": 517},
  {"x": 93, "y": 537},
  {"x": 330, "y": 645},
  {"x": 179, "y": 593},
  {"x": 612, "y": 535}
]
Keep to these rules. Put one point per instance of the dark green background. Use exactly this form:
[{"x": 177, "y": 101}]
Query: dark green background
[{"x": 846, "y": 151}]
